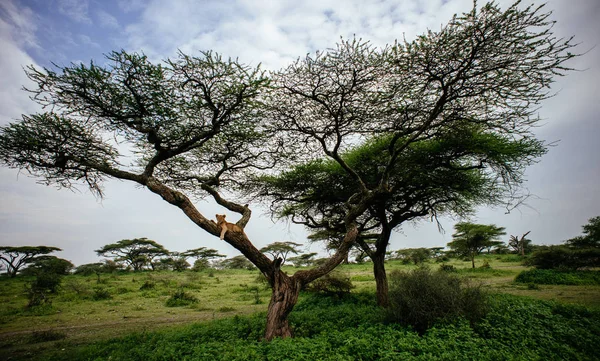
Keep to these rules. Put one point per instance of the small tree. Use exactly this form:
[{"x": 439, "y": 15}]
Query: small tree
[
  {"x": 470, "y": 239},
  {"x": 14, "y": 258},
  {"x": 590, "y": 237},
  {"x": 203, "y": 256},
  {"x": 281, "y": 250},
  {"x": 520, "y": 245},
  {"x": 49, "y": 264},
  {"x": 137, "y": 252}
]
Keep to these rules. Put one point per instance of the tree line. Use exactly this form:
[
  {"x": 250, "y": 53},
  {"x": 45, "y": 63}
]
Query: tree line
[{"x": 352, "y": 142}]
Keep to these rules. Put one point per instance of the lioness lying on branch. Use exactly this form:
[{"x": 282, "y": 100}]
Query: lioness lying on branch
[{"x": 226, "y": 226}]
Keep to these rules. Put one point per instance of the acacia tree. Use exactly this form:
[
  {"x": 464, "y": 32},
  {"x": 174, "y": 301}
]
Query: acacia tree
[
  {"x": 470, "y": 238},
  {"x": 185, "y": 129},
  {"x": 418, "y": 109},
  {"x": 137, "y": 252},
  {"x": 14, "y": 258},
  {"x": 281, "y": 250},
  {"x": 202, "y": 255}
]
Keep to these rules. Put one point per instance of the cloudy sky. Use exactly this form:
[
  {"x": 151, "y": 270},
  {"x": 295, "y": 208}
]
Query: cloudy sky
[{"x": 566, "y": 183}]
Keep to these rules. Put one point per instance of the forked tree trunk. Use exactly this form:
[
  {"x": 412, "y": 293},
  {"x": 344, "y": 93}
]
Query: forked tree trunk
[
  {"x": 283, "y": 299},
  {"x": 381, "y": 279}
]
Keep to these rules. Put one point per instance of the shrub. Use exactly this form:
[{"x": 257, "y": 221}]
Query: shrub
[
  {"x": 447, "y": 268},
  {"x": 556, "y": 277},
  {"x": 332, "y": 283},
  {"x": 564, "y": 258},
  {"x": 101, "y": 294},
  {"x": 181, "y": 298},
  {"x": 421, "y": 298},
  {"x": 148, "y": 285}
]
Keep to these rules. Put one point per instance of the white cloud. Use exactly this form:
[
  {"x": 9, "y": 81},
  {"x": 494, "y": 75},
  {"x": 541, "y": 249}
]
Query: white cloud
[
  {"x": 19, "y": 24},
  {"x": 107, "y": 20},
  {"x": 76, "y": 10}
]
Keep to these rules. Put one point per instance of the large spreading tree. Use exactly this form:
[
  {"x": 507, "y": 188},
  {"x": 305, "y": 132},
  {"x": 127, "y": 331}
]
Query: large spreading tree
[
  {"x": 15, "y": 257},
  {"x": 198, "y": 126},
  {"x": 185, "y": 129},
  {"x": 136, "y": 253},
  {"x": 437, "y": 125}
]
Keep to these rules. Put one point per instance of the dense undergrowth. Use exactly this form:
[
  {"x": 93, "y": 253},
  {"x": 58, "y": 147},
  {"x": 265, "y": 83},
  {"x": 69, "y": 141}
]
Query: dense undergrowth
[
  {"x": 557, "y": 277},
  {"x": 353, "y": 328}
]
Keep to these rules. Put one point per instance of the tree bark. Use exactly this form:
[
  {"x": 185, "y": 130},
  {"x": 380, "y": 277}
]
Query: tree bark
[
  {"x": 381, "y": 281},
  {"x": 283, "y": 299}
]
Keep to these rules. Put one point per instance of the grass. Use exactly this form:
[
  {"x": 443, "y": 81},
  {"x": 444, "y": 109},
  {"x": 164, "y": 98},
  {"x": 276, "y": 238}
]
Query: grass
[{"x": 137, "y": 301}]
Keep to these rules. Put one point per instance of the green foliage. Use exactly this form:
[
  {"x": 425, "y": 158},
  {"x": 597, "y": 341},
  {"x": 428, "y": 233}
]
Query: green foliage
[
  {"x": 281, "y": 249},
  {"x": 148, "y": 285},
  {"x": 100, "y": 294},
  {"x": 447, "y": 268},
  {"x": 564, "y": 258},
  {"x": 181, "y": 298},
  {"x": 422, "y": 298},
  {"x": 48, "y": 264},
  {"x": 590, "y": 237},
  {"x": 89, "y": 269},
  {"x": 353, "y": 328},
  {"x": 332, "y": 283},
  {"x": 237, "y": 262},
  {"x": 137, "y": 252},
  {"x": 13, "y": 258},
  {"x": 556, "y": 277},
  {"x": 469, "y": 239}
]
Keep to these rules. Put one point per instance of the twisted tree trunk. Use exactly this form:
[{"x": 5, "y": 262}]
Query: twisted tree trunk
[{"x": 381, "y": 281}]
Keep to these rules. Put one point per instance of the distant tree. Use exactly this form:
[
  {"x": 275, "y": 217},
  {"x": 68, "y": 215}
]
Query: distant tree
[
  {"x": 49, "y": 264},
  {"x": 590, "y": 237},
  {"x": 470, "y": 239},
  {"x": 237, "y": 262},
  {"x": 203, "y": 256},
  {"x": 303, "y": 260},
  {"x": 137, "y": 252},
  {"x": 178, "y": 261},
  {"x": 414, "y": 255},
  {"x": 91, "y": 268},
  {"x": 14, "y": 258},
  {"x": 281, "y": 250},
  {"x": 520, "y": 245}
]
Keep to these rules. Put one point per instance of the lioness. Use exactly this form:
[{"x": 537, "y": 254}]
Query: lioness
[{"x": 226, "y": 226}]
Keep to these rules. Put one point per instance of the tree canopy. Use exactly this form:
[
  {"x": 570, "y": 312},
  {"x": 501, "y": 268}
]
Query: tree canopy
[
  {"x": 193, "y": 127},
  {"x": 281, "y": 250},
  {"x": 469, "y": 239},
  {"x": 14, "y": 258},
  {"x": 137, "y": 252}
]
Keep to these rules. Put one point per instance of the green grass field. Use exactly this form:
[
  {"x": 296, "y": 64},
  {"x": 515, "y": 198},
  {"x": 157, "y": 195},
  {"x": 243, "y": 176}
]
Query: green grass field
[{"x": 86, "y": 310}]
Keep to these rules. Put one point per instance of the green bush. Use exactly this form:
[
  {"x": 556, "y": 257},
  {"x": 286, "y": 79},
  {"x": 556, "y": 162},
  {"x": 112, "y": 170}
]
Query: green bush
[
  {"x": 447, "y": 268},
  {"x": 556, "y": 277},
  {"x": 148, "y": 285},
  {"x": 421, "y": 298},
  {"x": 332, "y": 283},
  {"x": 352, "y": 327},
  {"x": 101, "y": 294},
  {"x": 181, "y": 298},
  {"x": 564, "y": 258}
]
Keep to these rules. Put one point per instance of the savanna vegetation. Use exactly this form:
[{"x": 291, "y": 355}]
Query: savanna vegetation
[
  {"x": 157, "y": 315},
  {"x": 352, "y": 143}
]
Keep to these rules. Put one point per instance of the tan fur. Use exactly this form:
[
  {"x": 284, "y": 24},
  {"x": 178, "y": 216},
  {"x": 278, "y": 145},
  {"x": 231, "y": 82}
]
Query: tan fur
[{"x": 226, "y": 226}]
